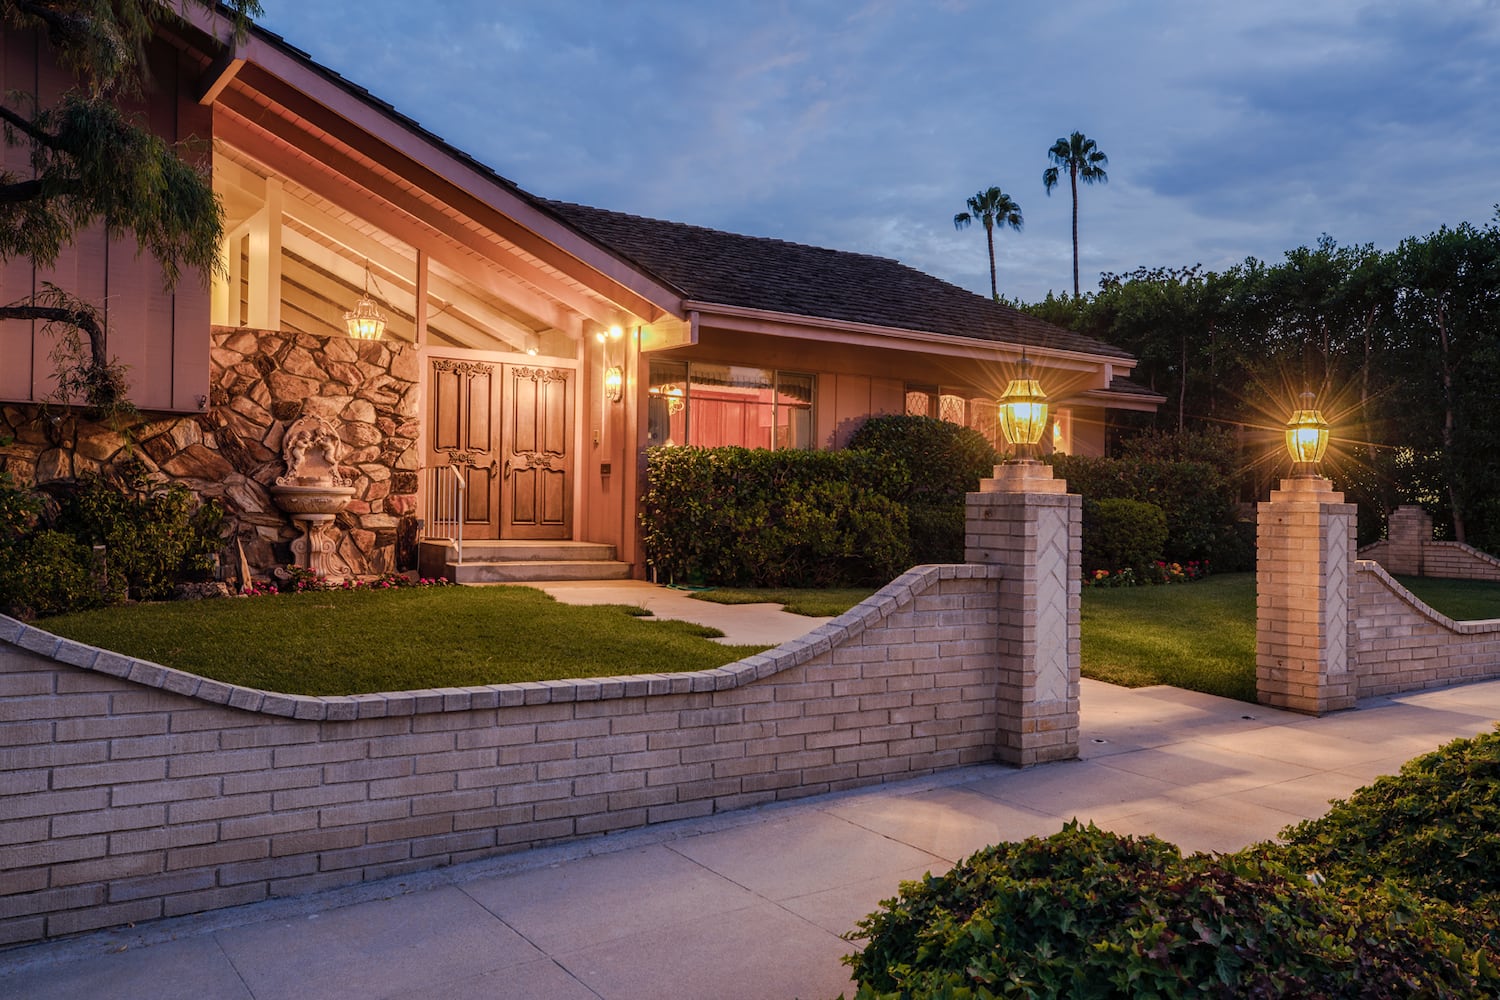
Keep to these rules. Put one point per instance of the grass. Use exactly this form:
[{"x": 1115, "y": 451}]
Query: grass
[
  {"x": 813, "y": 603},
  {"x": 355, "y": 642},
  {"x": 1199, "y": 635},
  {"x": 1461, "y": 600}
]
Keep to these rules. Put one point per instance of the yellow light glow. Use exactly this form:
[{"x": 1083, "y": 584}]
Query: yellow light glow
[
  {"x": 615, "y": 333},
  {"x": 614, "y": 383},
  {"x": 365, "y": 321},
  {"x": 1023, "y": 411},
  {"x": 1307, "y": 436}
]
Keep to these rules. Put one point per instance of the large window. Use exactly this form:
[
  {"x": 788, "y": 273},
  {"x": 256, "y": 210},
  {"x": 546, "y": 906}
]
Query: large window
[{"x": 706, "y": 404}]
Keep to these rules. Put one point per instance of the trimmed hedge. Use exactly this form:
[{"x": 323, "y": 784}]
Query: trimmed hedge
[
  {"x": 942, "y": 462},
  {"x": 1392, "y": 893},
  {"x": 1192, "y": 477},
  {"x": 752, "y": 517},
  {"x": 1122, "y": 534}
]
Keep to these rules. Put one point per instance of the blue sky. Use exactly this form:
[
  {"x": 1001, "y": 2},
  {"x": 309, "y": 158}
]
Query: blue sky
[{"x": 1233, "y": 129}]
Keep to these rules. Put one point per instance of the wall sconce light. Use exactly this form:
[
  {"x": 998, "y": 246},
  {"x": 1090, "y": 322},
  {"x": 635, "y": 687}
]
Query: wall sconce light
[
  {"x": 365, "y": 321},
  {"x": 614, "y": 383},
  {"x": 1023, "y": 412},
  {"x": 672, "y": 393},
  {"x": 1307, "y": 437}
]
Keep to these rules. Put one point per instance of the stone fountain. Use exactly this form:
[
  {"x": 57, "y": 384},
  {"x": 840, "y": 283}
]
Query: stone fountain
[{"x": 313, "y": 493}]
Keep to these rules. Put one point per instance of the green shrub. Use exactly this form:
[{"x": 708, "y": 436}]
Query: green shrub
[
  {"x": 942, "y": 462},
  {"x": 753, "y": 517},
  {"x": 49, "y": 573},
  {"x": 1086, "y": 913},
  {"x": 155, "y": 538},
  {"x": 1122, "y": 534},
  {"x": 1434, "y": 829},
  {"x": 1200, "y": 500}
]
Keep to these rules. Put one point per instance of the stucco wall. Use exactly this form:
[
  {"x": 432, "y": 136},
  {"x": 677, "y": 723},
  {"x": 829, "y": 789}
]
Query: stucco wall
[
  {"x": 1400, "y": 644},
  {"x": 261, "y": 383},
  {"x": 132, "y": 792}
]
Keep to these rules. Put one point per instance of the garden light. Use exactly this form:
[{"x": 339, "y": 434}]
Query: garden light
[
  {"x": 1023, "y": 412},
  {"x": 1307, "y": 437}
]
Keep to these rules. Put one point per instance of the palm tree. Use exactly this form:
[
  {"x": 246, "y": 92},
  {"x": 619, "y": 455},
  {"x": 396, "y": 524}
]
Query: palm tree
[
  {"x": 992, "y": 208},
  {"x": 1085, "y": 162}
]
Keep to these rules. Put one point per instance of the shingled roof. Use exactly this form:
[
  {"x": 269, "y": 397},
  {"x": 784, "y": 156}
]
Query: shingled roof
[{"x": 755, "y": 272}]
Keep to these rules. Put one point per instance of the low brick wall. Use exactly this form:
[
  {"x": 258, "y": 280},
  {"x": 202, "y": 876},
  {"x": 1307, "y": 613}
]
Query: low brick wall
[
  {"x": 1410, "y": 550},
  {"x": 129, "y": 791},
  {"x": 1397, "y": 643}
]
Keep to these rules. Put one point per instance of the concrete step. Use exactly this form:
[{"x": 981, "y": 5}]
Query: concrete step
[
  {"x": 486, "y": 550},
  {"x": 536, "y": 570},
  {"x": 507, "y": 561}
]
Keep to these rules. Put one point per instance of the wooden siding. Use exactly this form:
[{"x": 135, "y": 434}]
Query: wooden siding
[{"x": 161, "y": 336}]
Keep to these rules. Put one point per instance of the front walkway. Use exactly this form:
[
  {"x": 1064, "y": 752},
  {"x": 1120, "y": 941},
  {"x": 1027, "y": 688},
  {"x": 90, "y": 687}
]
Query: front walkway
[{"x": 750, "y": 904}]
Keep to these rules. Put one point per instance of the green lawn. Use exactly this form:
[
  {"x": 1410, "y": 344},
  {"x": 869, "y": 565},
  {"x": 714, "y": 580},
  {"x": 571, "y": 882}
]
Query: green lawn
[
  {"x": 1461, "y": 600},
  {"x": 1199, "y": 635},
  {"x": 353, "y": 642}
]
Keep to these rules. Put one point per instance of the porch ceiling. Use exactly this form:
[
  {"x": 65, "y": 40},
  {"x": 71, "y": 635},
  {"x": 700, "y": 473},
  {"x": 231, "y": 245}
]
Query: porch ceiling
[{"x": 333, "y": 188}]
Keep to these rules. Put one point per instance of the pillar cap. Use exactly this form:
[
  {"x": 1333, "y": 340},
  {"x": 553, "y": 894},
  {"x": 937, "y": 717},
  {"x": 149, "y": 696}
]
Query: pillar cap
[{"x": 1029, "y": 476}]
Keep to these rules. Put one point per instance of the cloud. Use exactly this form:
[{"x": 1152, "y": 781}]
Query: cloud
[{"x": 1231, "y": 130}]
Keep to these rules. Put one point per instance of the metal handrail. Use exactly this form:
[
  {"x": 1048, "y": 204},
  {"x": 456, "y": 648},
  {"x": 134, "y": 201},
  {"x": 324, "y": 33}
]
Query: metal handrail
[{"x": 444, "y": 508}]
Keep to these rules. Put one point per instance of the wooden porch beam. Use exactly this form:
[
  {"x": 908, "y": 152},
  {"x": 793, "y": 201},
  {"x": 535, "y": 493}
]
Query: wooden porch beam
[
  {"x": 260, "y": 145},
  {"x": 324, "y": 120}
]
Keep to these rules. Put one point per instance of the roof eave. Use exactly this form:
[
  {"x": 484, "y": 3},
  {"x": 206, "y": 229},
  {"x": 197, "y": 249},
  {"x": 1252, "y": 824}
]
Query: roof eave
[{"x": 895, "y": 338}]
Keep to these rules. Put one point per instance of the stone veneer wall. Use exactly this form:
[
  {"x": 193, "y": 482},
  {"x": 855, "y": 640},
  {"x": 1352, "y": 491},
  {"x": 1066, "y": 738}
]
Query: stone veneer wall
[
  {"x": 260, "y": 383},
  {"x": 129, "y": 791},
  {"x": 1397, "y": 643}
]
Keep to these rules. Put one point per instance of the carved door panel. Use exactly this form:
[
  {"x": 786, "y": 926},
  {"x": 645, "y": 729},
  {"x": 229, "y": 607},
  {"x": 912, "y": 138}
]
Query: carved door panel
[
  {"x": 464, "y": 408},
  {"x": 537, "y": 471}
]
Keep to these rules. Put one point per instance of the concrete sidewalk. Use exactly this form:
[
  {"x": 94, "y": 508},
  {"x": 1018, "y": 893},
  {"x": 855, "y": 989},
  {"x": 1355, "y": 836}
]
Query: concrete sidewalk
[
  {"x": 742, "y": 624},
  {"x": 751, "y": 904}
]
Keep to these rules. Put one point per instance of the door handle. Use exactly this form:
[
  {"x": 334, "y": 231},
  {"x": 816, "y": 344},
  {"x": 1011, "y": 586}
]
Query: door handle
[{"x": 506, "y": 474}]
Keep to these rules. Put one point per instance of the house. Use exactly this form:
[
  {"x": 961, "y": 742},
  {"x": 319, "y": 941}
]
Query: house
[{"x": 532, "y": 350}]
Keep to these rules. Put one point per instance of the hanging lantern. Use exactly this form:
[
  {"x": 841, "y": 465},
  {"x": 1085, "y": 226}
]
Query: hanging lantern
[
  {"x": 1023, "y": 411},
  {"x": 1307, "y": 437},
  {"x": 365, "y": 321}
]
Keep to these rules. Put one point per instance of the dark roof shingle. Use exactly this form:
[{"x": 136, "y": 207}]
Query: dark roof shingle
[{"x": 756, "y": 272}]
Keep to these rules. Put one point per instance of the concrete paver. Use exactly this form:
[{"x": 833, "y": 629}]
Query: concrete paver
[{"x": 752, "y": 904}]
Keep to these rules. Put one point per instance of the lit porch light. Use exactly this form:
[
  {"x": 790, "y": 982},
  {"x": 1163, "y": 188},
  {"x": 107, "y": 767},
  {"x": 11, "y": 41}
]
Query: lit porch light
[
  {"x": 1307, "y": 437},
  {"x": 614, "y": 383},
  {"x": 1023, "y": 412},
  {"x": 365, "y": 321}
]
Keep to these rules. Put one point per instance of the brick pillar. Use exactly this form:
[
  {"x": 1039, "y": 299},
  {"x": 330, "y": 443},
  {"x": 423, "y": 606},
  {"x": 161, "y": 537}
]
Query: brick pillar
[
  {"x": 1303, "y": 596},
  {"x": 1027, "y": 522},
  {"x": 1408, "y": 530}
]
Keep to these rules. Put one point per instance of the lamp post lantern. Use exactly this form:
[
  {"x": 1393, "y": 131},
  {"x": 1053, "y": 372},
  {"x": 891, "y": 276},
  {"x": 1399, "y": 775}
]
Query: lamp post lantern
[
  {"x": 1307, "y": 437},
  {"x": 1023, "y": 412}
]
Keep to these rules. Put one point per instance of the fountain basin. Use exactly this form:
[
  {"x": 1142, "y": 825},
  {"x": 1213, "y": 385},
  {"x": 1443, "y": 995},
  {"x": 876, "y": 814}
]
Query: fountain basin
[{"x": 312, "y": 499}]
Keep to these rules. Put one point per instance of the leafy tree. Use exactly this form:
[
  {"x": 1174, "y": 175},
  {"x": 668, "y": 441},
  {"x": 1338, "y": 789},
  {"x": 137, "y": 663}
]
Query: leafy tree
[
  {"x": 990, "y": 207},
  {"x": 91, "y": 160},
  {"x": 1081, "y": 157}
]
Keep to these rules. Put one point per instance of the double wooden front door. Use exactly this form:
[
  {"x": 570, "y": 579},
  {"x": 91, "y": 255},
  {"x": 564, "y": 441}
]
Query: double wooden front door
[{"x": 509, "y": 431}]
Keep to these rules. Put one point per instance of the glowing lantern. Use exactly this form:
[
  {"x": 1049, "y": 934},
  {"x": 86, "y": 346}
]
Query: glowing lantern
[
  {"x": 1023, "y": 411},
  {"x": 1307, "y": 437},
  {"x": 365, "y": 321},
  {"x": 614, "y": 383}
]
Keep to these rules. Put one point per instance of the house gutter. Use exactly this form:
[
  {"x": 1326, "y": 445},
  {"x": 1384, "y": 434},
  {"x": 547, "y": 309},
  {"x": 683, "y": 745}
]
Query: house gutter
[{"x": 776, "y": 324}]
